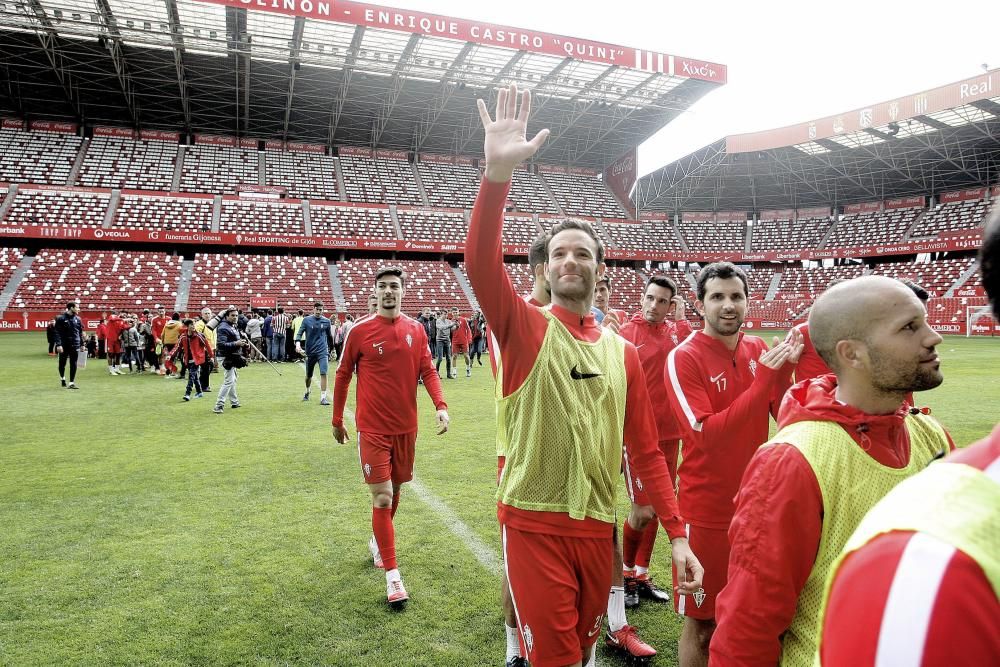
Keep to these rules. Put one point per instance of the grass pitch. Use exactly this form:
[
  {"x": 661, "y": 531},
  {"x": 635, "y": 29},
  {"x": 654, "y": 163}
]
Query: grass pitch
[{"x": 139, "y": 529}]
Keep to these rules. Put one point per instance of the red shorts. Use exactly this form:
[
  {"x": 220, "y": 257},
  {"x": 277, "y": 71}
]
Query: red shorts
[
  {"x": 385, "y": 457},
  {"x": 113, "y": 347},
  {"x": 559, "y": 587},
  {"x": 633, "y": 484},
  {"x": 501, "y": 460},
  {"x": 711, "y": 546},
  {"x": 459, "y": 348}
]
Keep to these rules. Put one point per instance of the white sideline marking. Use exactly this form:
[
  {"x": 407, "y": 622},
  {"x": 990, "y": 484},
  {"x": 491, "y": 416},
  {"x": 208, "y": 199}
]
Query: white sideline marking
[{"x": 459, "y": 529}]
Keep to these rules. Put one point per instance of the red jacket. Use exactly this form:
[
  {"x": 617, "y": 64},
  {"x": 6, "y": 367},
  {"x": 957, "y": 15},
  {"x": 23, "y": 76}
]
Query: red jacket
[
  {"x": 157, "y": 326},
  {"x": 192, "y": 346},
  {"x": 462, "y": 334},
  {"x": 810, "y": 365},
  {"x": 102, "y": 331},
  {"x": 519, "y": 329},
  {"x": 654, "y": 342},
  {"x": 775, "y": 532},
  {"x": 958, "y": 607}
]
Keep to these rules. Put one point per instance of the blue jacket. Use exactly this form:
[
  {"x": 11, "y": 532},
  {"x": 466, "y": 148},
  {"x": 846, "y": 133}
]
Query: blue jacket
[
  {"x": 226, "y": 339},
  {"x": 266, "y": 327},
  {"x": 69, "y": 331},
  {"x": 315, "y": 331}
]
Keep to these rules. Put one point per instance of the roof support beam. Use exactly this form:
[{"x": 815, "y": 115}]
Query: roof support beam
[
  {"x": 49, "y": 38},
  {"x": 178, "y": 42},
  {"x": 395, "y": 88},
  {"x": 293, "y": 69},
  {"x": 238, "y": 45},
  {"x": 447, "y": 90},
  {"x": 118, "y": 60},
  {"x": 989, "y": 106},
  {"x": 930, "y": 122},
  {"x": 345, "y": 82}
]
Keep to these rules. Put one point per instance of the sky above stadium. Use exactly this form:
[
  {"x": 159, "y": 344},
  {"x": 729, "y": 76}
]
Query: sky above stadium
[{"x": 789, "y": 62}]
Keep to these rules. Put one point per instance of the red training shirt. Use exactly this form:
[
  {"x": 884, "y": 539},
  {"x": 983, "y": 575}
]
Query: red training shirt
[
  {"x": 519, "y": 330},
  {"x": 462, "y": 334},
  {"x": 157, "y": 326},
  {"x": 388, "y": 356},
  {"x": 810, "y": 365}
]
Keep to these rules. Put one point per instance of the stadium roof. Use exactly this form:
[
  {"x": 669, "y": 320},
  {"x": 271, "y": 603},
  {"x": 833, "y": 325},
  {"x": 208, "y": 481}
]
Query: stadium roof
[
  {"x": 339, "y": 73},
  {"x": 939, "y": 140}
]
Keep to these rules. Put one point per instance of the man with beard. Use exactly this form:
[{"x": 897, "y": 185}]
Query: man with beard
[
  {"x": 388, "y": 351},
  {"x": 571, "y": 394},
  {"x": 844, "y": 441},
  {"x": 654, "y": 337},
  {"x": 722, "y": 386},
  {"x": 938, "y": 529}
]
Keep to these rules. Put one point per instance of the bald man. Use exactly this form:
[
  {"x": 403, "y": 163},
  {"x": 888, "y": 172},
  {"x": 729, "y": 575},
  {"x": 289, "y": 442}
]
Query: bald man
[{"x": 844, "y": 441}]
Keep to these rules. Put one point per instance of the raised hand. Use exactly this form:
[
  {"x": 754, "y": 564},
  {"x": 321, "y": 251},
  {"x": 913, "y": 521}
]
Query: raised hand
[{"x": 506, "y": 143}]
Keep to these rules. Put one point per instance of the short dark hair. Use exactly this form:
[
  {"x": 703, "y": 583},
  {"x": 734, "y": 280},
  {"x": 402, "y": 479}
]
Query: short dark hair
[
  {"x": 663, "y": 281},
  {"x": 722, "y": 271},
  {"x": 581, "y": 225},
  {"x": 187, "y": 321},
  {"x": 989, "y": 259},
  {"x": 391, "y": 271},
  {"x": 318, "y": 304},
  {"x": 538, "y": 251},
  {"x": 606, "y": 279},
  {"x": 71, "y": 304},
  {"x": 280, "y": 311},
  {"x": 921, "y": 293},
  {"x": 176, "y": 316}
]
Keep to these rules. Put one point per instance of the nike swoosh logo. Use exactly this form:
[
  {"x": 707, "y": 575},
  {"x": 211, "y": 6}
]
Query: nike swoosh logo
[
  {"x": 711, "y": 379},
  {"x": 593, "y": 632},
  {"x": 577, "y": 375},
  {"x": 379, "y": 344},
  {"x": 638, "y": 347}
]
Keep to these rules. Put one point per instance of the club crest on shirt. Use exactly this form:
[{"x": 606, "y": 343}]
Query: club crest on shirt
[
  {"x": 638, "y": 483},
  {"x": 409, "y": 340},
  {"x": 368, "y": 470},
  {"x": 529, "y": 639},
  {"x": 699, "y": 597},
  {"x": 753, "y": 366}
]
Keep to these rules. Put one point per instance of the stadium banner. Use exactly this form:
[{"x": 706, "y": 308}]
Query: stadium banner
[
  {"x": 253, "y": 188},
  {"x": 777, "y": 214},
  {"x": 214, "y": 140},
  {"x": 299, "y": 147},
  {"x": 41, "y": 187},
  {"x": 620, "y": 177},
  {"x": 583, "y": 171},
  {"x": 996, "y": 191},
  {"x": 274, "y": 145},
  {"x": 953, "y": 95},
  {"x": 731, "y": 216},
  {"x": 905, "y": 202},
  {"x": 13, "y": 124},
  {"x": 437, "y": 159},
  {"x": 252, "y": 144},
  {"x": 159, "y": 194},
  {"x": 962, "y": 195},
  {"x": 116, "y": 132},
  {"x": 488, "y": 34},
  {"x": 159, "y": 135},
  {"x": 814, "y": 212},
  {"x": 653, "y": 215},
  {"x": 465, "y": 161},
  {"x": 970, "y": 291},
  {"x": 391, "y": 155},
  {"x": 865, "y": 207},
  {"x": 355, "y": 151},
  {"x": 698, "y": 216},
  {"x": 53, "y": 126},
  {"x": 549, "y": 169},
  {"x": 345, "y": 204}
]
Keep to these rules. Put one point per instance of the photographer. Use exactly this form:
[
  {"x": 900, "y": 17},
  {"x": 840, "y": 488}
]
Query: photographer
[{"x": 230, "y": 346}]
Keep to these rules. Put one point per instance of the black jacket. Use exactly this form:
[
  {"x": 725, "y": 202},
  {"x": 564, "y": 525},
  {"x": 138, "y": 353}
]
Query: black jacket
[
  {"x": 69, "y": 331},
  {"x": 226, "y": 341}
]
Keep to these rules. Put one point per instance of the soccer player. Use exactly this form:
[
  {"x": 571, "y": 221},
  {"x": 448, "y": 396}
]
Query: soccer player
[
  {"x": 572, "y": 392},
  {"x": 843, "y": 442},
  {"x": 114, "y": 328},
  {"x": 388, "y": 351},
  {"x": 722, "y": 386},
  {"x": 917, "y": 582},
  {"x": 315, "y": 333},
  {"x": 654, "y": 336},
  {"x": 67, "y": 334},
  {"x": 461, "y": 338},
  {"x": 609, "y": 317}
]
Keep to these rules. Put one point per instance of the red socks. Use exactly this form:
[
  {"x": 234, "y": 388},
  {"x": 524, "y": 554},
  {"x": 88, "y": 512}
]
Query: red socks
[
  {"x": 385, "y": 536},
  {"x": 645, "y": 552},
  {"x": 395, "y": 502},
  {"x": 630, "y": 545}
]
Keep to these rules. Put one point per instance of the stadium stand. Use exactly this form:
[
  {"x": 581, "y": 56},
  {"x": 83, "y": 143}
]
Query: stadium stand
[
  {"x": 857, "y": 229},
  {"x": 626, "y": 289},
  {"x": 528, "y": 195},
  {"x": 305, "y": 175},
  {"x": 379, "y": 180},
  {"x": 683, "y": 286},
  {"x": 350, "y": 221},
  {"x": 112, "y": 162},
  {"x": 663, "y": 236},
  {"x": 935, "y": 277},
  {"x": 245, "y": 217},
  {"x": 438, "y": 226},
  {"x": 812, "y": 281},
  {"x": 10, "y": 258},
  {"x": 169, "y": 213},
  {"x": 704, "y": 236},
  {"x": 428, "y": 284},
  {"x": 952, "y": 216},
  {"x": 759, "y": 279},
  {"x": 789, "y": 235},
  {"x": 292, "y": 282},
  {"x": 449, "y": 185},
  {"x": 51, "y": 207},
  {"x": 778, "y": 310},
  {"x": 218, "y": 169},
  {"x": 37, "y": 157},
  {"x": 518, "y": 230},
  {"x": 583, "y": 195},
  {"x": 952, "y": 310},
  {"x": 641, "y": 236},
  {"x": 98, "y": 280}
]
